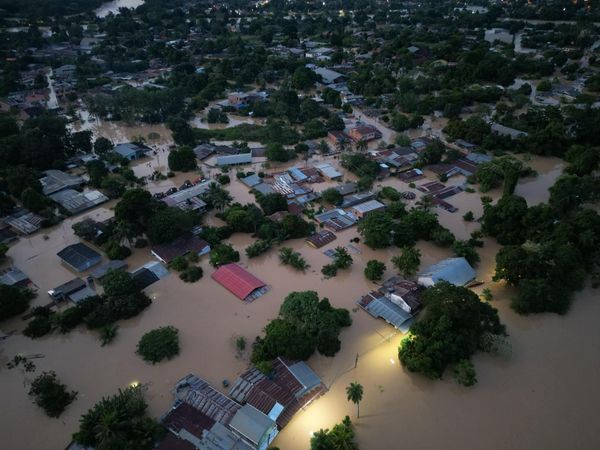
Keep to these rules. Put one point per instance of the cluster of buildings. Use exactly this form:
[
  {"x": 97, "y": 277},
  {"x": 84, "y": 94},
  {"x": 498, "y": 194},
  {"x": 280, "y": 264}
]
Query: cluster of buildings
[
  {"x": 258, "y": 406},
  {"x": 397, "y": 301}
]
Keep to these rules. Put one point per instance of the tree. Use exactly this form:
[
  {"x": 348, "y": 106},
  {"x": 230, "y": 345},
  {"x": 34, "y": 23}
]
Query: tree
[
  {"x": 33, "y": 200},
  {"x": 504, "y": 220},
  {"x": 376, "y": 230},
  {"x": 168, "y": 224},
  {"x": 135, "y": 209},
  {"x": 433, "y": 153},
  {"x": 223, "y": 254},
  {"x": 303, "y": 78},
  {"x": 159, "y": 344},
  {"x": 13, "y": 301},
  {"x": 81, "y": 141},
  {"x": 304, "y": 324},
  {"x": 272, "y": 203},
  {"x": 217, "y": 197},
  {"x": 289, "y": 257},
  {"x": 182, "y": 131},
  {"x": 114, "y": 186},
  {"x": 354, "y": 394},
  {"x": 118, "y": 284},
  {"x": 408, "y": 261},
  {"x": 120, "y": 421},
  {"x": 374, "y": 270},
  {"x": 97, "y": 171},
  {"x": 341, "y": 258},
  {"x": 464, "y": 373},
  {"x": 276, "y": 152},
  {"x": 102, "y": 146},
  {"x": 451, "y": 329},
  {"x": 466, "y": 250},
  {"x": 332, "y": 196},
  {"x": 50, "y": 394},
  {"x": 182, "y": 159},
  {"x": 361, "y": 145},
  {"x": 341, "y": 437},
  {"x": 216, "y": 115}
]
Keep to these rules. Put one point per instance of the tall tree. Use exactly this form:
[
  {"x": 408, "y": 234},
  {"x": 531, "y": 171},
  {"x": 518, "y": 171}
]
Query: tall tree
[{"x": 354, "y": 394}]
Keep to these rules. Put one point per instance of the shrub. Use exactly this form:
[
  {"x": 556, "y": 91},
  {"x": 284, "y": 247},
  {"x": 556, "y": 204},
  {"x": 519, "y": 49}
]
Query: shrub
[
  {"x": 50, "y": 394},
  {"x": 329, "y": 270},
  {"x": 159, "y": 344},
  {"x": 223, "y": 254},
  {"x": 108, "y": 333},
  {"x": 179, "y": 263},
  {"x": 115, "y": 251},
  {"x": 258, "y": 248},
  {"x": 468, "y": 216},
  {"x": 38, "y": 327},
  {"x": 191, "y": 274},
  {"x": 374, "y": 270},
  {"x": 464, "y": 373},
  {"x": 13, "y": 301},
  {"x": 289, "y": 257}
]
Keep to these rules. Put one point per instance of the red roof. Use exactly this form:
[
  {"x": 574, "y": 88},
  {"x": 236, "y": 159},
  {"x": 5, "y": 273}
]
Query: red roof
[{"x": 237, "y": 280}]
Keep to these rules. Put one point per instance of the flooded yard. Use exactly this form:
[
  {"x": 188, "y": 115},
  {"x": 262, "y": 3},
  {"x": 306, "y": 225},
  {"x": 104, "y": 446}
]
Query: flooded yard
[{"x": 544, "y": 396}]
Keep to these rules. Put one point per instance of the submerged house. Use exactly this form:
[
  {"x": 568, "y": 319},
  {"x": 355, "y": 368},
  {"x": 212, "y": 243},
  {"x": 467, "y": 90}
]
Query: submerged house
[
  {"x": 239, "y": 282},
  {"x": 182, "y": 246},
  {"x": 79, "y": 257},
  {"x": 189, "y": 199},
  {"x": 456, "y": 271},
  {"x": 288, "y": 388},
  {"x": 396, "y": 302},
  {"x": 131, "y": 151},
  {"x": 57, "y": 180}
]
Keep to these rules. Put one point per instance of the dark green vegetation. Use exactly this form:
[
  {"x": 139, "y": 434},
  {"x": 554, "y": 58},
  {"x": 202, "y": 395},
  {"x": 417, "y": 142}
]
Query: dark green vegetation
[
  {"x": 159, "y": 344},
  {"x": 374, "y": 270},
  {"x": 549, "y": 249},
  {"x": 122, "y": 299},
  {"x": 289, "y": 257},
  {"x": 341, "y": 436},
  {"x": 453, "y": 326},
  {"x": 50, "y": 394},
  {"x": 119, "y": 422},
  {"x": 304, "y": 324},
  {"x": 341, "y": 260},
  {"x": 13, "y": 301}
]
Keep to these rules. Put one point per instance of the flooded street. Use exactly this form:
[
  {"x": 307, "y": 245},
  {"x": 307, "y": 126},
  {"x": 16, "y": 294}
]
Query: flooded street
[{"x": 544, "y": 396}]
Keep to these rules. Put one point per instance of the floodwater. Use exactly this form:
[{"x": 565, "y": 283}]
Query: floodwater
[
  {"x": 543, "y": 396},
  {"x": 114, "y": 6}
]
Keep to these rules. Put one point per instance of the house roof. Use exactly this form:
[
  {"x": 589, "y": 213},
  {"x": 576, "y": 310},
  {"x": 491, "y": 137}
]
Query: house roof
[
  {"x": 251, "y": 423},
  {"x": 237, "y": 280},
  {"x": 129, "y": 148},
  {"x": 149, "y": 273},
  {"x": 100, "y": 272},
  {"x": 188, "y": 198},
  {"x": 197, "y": 393},
  {"x": 378, "y": 306},
  {"x": 321, "y": 238},
  {"x": 13, "y": 276},
  {"x": 203, "y": 151},
  {"x": 185, "y": 416},
  {"x": 328, "y": 170},
  {"x": 242, "y": 158},
  {"x": 76, "y": 202},
  {"x": 180, "y": 247},
  {"x": 82, "y": 294},
  {"x": 57, "y": 180},
  {"x": 456, "y": 271},
  {"x": 69, "y": 287},
  {"x": 79, "y": 256},
  {"x": 371, "y": 205},
  {"x": 173, "y": 442},
  {"x": 251, "y": 180}
]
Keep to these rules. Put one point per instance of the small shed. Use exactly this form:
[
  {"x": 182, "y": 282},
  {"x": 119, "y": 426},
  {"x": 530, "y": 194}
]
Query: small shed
[
  {"x": 321, "y": 239},
  {"x": 239, "y": 282},
  {"x": 234, "y": 160},
  {"x": 180, "y": 247},
  {"x": 363, "y": 209},
  {"x": 79, "y": 257}
]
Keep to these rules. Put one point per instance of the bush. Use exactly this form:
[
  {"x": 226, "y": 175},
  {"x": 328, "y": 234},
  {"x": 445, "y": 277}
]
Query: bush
[
  {"x": 115, "y": 251},
  {"x": 13, "y": 301},
  {"x": 257, "y": 248},
  {"x": 159, "y": 344},
  {"x": 329, "y": 270},
  {"x": 289, "y": 257},
  {"x": 374, "y": 270},
  {"x": 179, "y": 263},
  {"x": 108, "y": 333},
  {"x": 468, "y": 216},
  {"x": 223, "y": 254},
  {"x": 332, "y": 196},
  {"x": 464, "y": 373},
  {"x": 50, "y": 394},
  {"x": 223, "y": 179},
  {"x": 38, "y": 327},
  {"x": 191, "y": 274}
]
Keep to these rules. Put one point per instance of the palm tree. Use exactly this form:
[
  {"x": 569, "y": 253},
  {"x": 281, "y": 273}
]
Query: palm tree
[
  {"x": 342, "y": 145},
  {"x": 361, "y": 145},
  {"x": 218, "y": 197},
  {"x": 354, "y": 394}
]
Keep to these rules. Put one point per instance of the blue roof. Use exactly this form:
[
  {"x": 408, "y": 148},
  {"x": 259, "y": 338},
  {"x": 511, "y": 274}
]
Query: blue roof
[{"x": 456, "y": 271}]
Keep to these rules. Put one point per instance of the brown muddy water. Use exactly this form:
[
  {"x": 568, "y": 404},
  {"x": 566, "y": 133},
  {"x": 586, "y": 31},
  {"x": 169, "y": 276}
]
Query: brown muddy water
[{"x": 544, "y": 395}]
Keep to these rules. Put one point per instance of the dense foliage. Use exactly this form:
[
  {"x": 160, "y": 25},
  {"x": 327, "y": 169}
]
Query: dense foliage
[
  {"x": 305, "y": 324},
  {"x": 159, "y": 344},
  {"x": 50, "y": 394}
]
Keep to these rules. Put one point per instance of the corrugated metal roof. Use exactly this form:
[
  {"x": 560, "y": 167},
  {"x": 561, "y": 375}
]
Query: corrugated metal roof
[
  {"x": 252, "y": 423},
  {"x": 242, "y": 158},
  {"x": 456, "y": 271},
  {"x": 237, "y": 280}
]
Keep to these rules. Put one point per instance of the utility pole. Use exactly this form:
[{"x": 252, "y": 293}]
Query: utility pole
[{"x": 356, "y": 361}]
